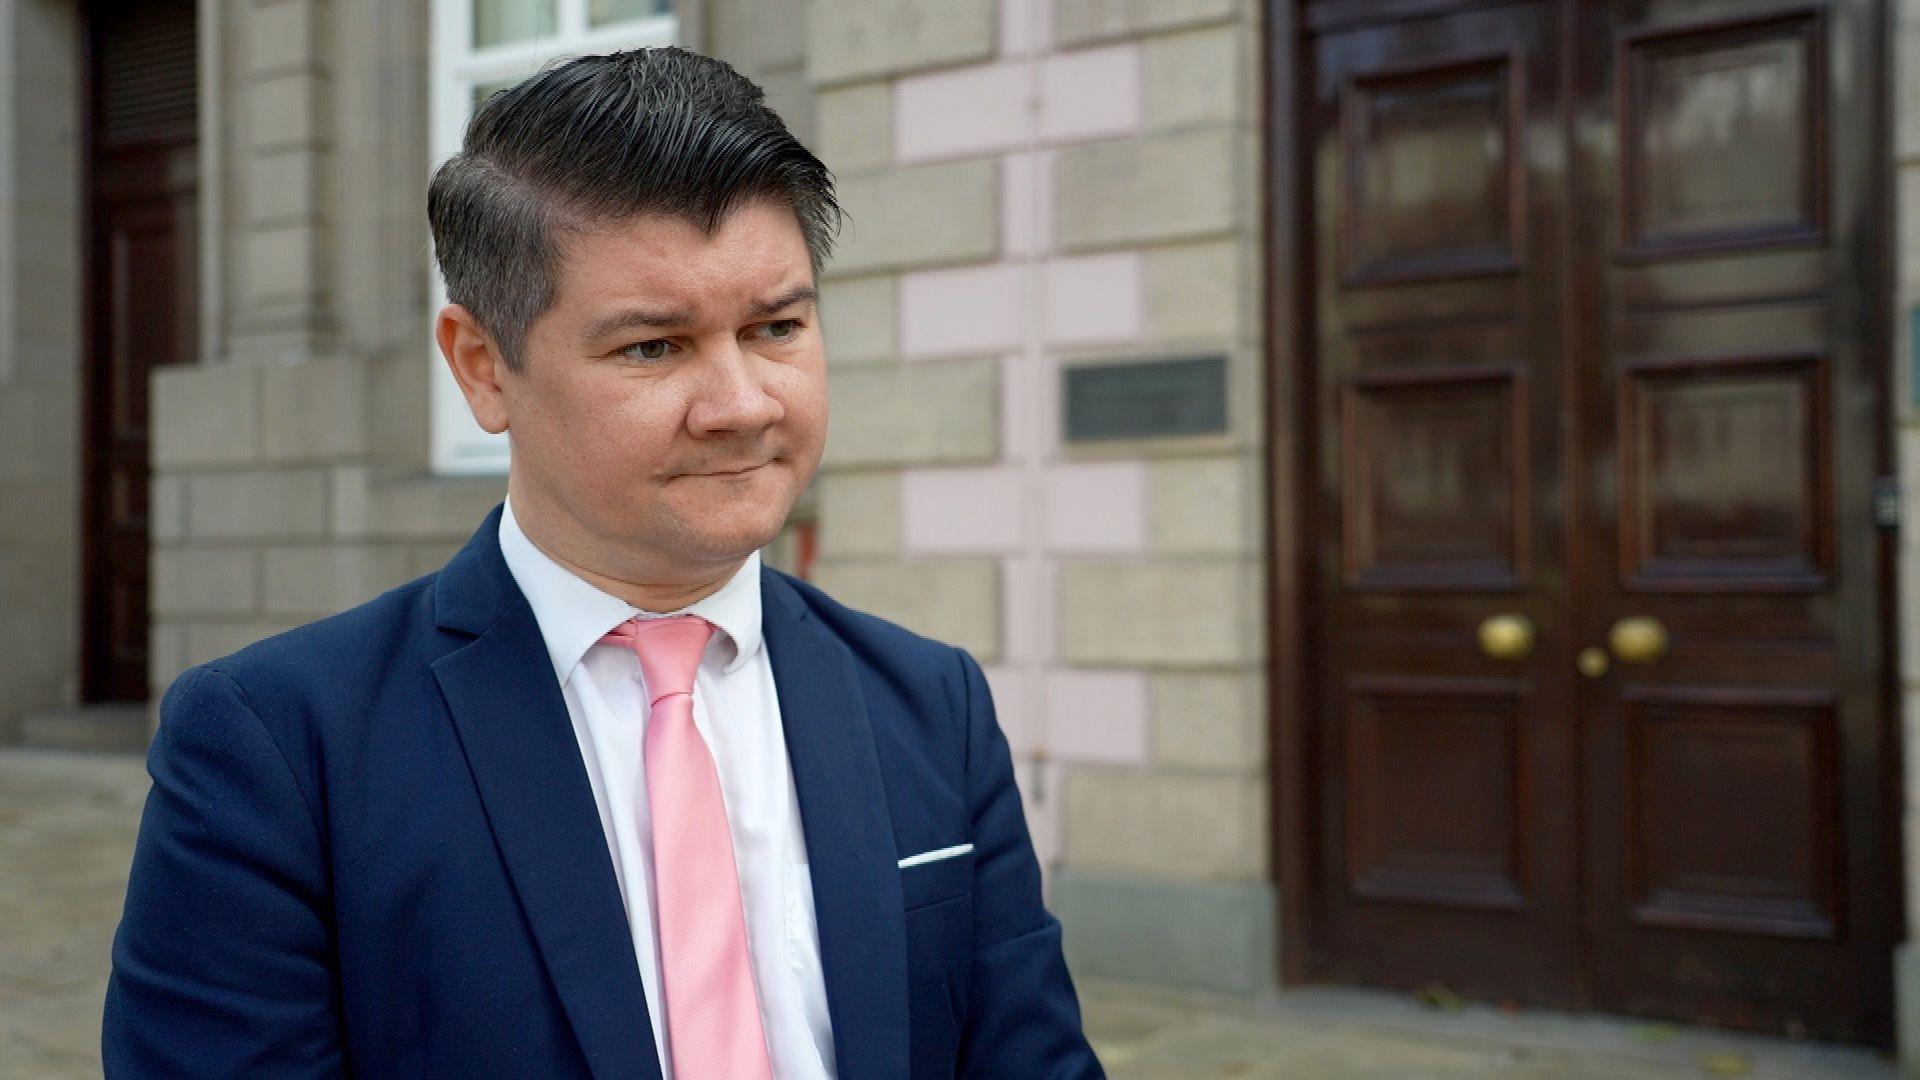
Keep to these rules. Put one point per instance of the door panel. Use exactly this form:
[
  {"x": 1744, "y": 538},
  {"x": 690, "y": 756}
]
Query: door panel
[
  {"x": 1401, "y": 128},
  {"x": 1436, "y": 478},
  {"x": 1773, "y": 868},
  {"x": 1720, "y": 133},
  {"x": 1427, "y": 744},
  {"x": 1725, "y": 474}
]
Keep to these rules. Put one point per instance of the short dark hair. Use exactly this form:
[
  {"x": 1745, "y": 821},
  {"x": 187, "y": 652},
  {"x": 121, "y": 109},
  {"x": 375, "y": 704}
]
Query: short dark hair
[{"x": 606, "y": 138}]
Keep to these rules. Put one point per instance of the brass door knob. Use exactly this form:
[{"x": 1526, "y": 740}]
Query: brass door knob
[
  {"x": 1638, "y": 639},
  {"x": 1592, "y": 661},
  {"x": 1506, "y": 637}
]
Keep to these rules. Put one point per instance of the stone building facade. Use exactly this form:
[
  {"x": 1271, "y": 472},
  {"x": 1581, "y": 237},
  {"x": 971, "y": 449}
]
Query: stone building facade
[{"x": 1033, "y": 186}]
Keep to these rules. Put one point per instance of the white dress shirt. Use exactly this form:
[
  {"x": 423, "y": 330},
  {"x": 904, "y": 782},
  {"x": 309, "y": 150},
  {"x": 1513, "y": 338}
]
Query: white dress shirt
[{"x": 736, "y": 710}]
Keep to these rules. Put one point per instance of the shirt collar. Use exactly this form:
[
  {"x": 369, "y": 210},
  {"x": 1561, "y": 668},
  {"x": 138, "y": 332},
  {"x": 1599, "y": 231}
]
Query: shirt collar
[{"x": 574, "y": 614}]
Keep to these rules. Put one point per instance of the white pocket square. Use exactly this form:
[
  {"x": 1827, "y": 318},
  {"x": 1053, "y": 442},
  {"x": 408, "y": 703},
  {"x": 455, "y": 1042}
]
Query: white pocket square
[{"x": 935, "y": 856}]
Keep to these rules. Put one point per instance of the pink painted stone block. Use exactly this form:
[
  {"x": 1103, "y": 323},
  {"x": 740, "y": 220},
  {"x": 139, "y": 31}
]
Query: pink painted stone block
[
  {"x": 946, "y": 511},
  {"x": 1097, "y": 716},
  {"x": 1094, "y": 299},
  {"x": 1091, "y": 93},
  {"x": 1016, "y": 397},
  {"x": 969, "y": 309},
  {"x": 1096, "y": 507},
  {"x": 1030, "y": 406},
  {"x": 1026, "y": 26},
  {"x": 972, "y": 110},
  {"x": 1026, "y": 606},
  {"x": 1045, "y": 389},
  {"x": 1026, "y": 202},
  {"x": 1042, "y": 804},
  {"x": 1007, "y": 684}
]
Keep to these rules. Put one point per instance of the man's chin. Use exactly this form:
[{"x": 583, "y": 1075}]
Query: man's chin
[{"x": 729, "y": 546}]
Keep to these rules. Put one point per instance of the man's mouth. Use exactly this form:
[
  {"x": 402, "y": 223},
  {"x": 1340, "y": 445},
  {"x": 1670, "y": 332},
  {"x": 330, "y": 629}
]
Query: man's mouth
[{"x": 733, "y": 472}]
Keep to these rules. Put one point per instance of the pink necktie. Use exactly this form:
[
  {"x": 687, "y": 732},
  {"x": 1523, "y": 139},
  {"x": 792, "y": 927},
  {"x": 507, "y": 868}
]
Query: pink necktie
[{"x": 713, "y": 1010}]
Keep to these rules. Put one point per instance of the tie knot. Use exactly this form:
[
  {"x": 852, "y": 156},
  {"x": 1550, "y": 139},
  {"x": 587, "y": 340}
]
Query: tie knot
[{"x": 669, "y": 650}]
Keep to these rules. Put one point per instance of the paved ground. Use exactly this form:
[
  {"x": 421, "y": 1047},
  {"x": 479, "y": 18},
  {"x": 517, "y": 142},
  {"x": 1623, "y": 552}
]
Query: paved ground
[
  {"x": 66, "y": 834},
  {"x": 66, "y": 831},
  {"x": 1340, "y": 1034}
]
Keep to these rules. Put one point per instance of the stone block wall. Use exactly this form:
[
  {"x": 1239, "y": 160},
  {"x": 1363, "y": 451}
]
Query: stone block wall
[
  {"x": 1034, "y": 184},
  {"x": 255, "y": 533}
]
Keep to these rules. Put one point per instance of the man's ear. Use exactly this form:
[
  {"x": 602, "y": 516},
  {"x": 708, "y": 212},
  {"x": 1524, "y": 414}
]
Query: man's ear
[{"x": 475, "y": 360}]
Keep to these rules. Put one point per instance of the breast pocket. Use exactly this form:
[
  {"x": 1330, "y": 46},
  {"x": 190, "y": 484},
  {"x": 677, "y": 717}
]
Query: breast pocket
[
  {"x": 938, "y": 899},
  {"x": 937, "y": 880}
]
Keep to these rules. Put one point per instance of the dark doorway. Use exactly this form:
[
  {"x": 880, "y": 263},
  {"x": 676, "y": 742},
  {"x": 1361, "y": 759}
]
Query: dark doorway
[
  {"x": 1598, "y": 713},
  {"x": 142, "y": 308}
]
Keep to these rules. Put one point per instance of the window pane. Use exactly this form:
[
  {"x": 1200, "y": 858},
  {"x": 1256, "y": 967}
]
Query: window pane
[
  {"x": 498, "y": 21},
  {"x": 602, "y": 12},
  {"x": 485, "y": 90}
]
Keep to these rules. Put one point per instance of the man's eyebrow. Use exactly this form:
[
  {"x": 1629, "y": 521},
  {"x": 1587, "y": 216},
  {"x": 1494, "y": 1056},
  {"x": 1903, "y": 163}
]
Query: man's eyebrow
[
  {"x": 797, "y": 295},
  {"x": 638, "y": 319}
]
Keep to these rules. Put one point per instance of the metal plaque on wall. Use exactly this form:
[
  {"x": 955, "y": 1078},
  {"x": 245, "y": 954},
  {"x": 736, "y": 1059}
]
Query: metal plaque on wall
[{"x": 1145, "y": 399}]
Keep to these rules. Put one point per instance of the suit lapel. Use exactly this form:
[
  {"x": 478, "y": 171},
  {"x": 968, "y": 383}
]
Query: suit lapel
[
  {"x": 849, "y": 832},
  {"x": 520, "y": 747}
]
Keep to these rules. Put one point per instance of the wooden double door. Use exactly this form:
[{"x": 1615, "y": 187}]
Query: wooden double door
[{"x": 1600, "y": 657}]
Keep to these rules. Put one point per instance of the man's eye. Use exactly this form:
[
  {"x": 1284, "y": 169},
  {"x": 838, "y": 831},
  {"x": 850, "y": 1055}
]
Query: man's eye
[
  {"x": 784, "y": 329},
  {"x": 649, "y": 350}
]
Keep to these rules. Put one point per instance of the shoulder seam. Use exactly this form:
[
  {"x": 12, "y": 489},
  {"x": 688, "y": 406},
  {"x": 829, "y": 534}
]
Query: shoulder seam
[{"x": 253, "y": 710}]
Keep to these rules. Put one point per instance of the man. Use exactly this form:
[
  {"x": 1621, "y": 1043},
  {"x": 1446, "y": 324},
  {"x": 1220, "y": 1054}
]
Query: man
[{"x": 603, "y": 796}]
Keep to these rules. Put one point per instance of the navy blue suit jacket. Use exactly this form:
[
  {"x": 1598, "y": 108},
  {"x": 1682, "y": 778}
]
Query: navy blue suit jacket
[{"x": 371, "y": 848}]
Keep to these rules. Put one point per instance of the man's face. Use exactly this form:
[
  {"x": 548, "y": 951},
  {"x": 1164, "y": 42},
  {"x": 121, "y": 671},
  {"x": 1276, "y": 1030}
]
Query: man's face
[{"x": 673, "y": 403}]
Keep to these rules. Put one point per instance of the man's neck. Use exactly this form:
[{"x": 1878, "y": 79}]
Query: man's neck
[
  {"x": 654, "y": 594},
  {"x": 648, "y": 596}
]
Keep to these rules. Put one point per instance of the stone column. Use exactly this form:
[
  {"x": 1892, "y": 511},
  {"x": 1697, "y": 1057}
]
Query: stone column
[{"x": 40, "y": 357}]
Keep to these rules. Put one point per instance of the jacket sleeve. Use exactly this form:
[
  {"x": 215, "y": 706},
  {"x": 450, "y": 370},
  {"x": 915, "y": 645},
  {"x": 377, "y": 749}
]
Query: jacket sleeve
[
  {"x": 222, "y": 961},
  {"x": 1022, "y": 1018}
]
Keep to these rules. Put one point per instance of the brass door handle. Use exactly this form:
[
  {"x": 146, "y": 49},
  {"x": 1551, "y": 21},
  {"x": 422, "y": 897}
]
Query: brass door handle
[
  {"x": 1638, "y": 639},
  {"x": 1506, "y": 637}
]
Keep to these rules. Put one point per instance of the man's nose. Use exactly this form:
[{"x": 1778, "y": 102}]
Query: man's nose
[{"x": 733, "y": 395}]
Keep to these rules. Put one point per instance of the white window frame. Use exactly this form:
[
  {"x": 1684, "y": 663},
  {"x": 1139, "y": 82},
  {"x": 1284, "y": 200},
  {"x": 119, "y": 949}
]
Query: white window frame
[{"x": 459, "y": 446}]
